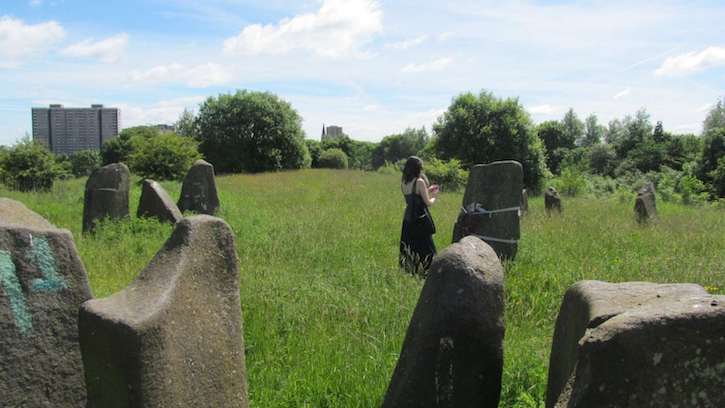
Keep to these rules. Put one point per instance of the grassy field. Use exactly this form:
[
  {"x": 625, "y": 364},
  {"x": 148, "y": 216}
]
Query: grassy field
[{"x": 325, "y": 306}]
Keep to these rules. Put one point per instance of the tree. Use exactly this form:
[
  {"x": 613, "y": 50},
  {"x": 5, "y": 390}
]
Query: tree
[
  {"x": 602, "y": 159},
  {"x": 164, "y": 157},
  {"x": 359, "y": 153},
  {"x": 552, "y": 136},
  {"x": 614, "y": 132},
  {"x": 637, "y": 129},
  {"x": 251, "y": 131},
  {"x": 84, "y": 162},
  {"x": 119, "y": 149},
  {"x": 573, "y": 129},
  {"x": 399, "y": 146},
  {"x": 315, "y": 149},
  {"x": 483, "y": 128},
  {"x": 594, "y": 132},
  {"x": 186, "y": 125},
  {"x": 715, "y": 118},
  {"x": 28, "y": 166},
  {"x": 713, "y": 150}
]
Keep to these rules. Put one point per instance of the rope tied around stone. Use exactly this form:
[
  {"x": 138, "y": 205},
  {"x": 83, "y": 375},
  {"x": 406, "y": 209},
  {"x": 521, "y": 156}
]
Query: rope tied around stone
[{"x": 475, "y": 208}]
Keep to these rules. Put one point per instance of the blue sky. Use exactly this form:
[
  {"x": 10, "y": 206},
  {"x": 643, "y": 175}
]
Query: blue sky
[{"x": 374, "y": 67}]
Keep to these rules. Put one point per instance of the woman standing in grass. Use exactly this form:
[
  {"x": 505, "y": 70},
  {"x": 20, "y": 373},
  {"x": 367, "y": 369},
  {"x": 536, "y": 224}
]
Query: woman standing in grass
[{"x": 416, "y": 239}]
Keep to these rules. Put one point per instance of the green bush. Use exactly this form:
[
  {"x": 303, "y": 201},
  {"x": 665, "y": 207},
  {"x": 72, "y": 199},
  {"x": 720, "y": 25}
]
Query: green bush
[
  {"x": 449, "y": 175},
  {"x": 28, "y": 166},
  {"x": 359, "y": 154},
  {"x": 250, "y": 131},
  {"x": 401, "y": 146},
  {"x": 333, "y": 159},
  {"x": 315, "y": 150},
  {"x": 164, "y": 157},
  {"x": 84, "y": 162},
  {"x": 571, "y": 182}
]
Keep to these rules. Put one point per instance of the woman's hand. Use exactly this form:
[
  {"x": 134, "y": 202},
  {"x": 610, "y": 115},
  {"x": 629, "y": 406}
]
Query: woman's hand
[{"x": 434, "y": 189}]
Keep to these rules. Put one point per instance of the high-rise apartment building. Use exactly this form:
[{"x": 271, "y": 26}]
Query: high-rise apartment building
[
  {"x": 68, "y": 130},
  {"x": 331, "y": 132}
]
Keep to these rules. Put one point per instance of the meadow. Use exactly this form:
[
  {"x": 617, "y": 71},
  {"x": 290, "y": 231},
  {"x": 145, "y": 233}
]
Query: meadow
[{"x": 325, "y": 305}]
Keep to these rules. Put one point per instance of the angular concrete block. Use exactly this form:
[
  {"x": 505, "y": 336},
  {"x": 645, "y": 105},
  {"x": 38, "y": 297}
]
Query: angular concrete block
[
  {"x": 173, "y": 338},
  {"x": 106, "y": 195},
  {"x": 552, "y": 201},
  {"x": 588, "y": 304},
  {"x": 645, "y": 207},
  {"x": 15, "y": 213},
  {"x": 156, "y": 203},
  {"x": 42, "y": 285},
  {"x": 198, "y": 192},
  {"x": 670, "y": 354},
  {"x": 452, "y": 355},
  {"x": 491, "y": 206}
]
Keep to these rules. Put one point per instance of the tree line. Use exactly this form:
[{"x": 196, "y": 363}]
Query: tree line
[{"x": 250, "y": 131}]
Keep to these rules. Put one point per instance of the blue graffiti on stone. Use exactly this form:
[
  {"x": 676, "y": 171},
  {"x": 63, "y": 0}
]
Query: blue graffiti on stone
[
  {"x": 43, "y": 256},
  {"x": 11, "y": 285}
]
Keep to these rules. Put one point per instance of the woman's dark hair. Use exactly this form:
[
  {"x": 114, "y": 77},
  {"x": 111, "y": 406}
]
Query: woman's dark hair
[{"x": 412, "y": 169}]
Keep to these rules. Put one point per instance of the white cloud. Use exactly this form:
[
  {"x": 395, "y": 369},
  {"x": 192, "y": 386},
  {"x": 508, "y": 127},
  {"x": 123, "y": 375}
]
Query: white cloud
[
  {"x": 446, "y": 36},
  {"x": 166, "y": 111},
  {"x": 371, "y": 108},
  {"x": 692, "y": 62},
  {"x": 109, "y": 50},
  {"x": 198, "y": 76},
  {"x": 432, "y": 66},
  {"x": 623, "y": 93},
  {"x": 338, "y": 28},
  {"x": 19, "y": 41},
  {"x": 545, "y": 109},
  {"x": 405, "y": 44},
  {"x": 35, "y": 3}
]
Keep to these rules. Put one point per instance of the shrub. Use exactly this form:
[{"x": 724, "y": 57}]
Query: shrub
[
  {"x": 483, "y": 129},
  {"x": 28, "y": 166},
  {"x": 250, "y": 131},
  {"x": 718, "y": 177},
  {"x": 571, "y": 182},
  {"x": 116, "y": 150},
  {"x": 602, "y": 159},
  {"x": 164, "y": 157},
  {"x": 449, "y": 175},
  {"x": 82, "y": 163},
  {"x": 333, "y": 159},
  {"x": 359, "y": 153}
]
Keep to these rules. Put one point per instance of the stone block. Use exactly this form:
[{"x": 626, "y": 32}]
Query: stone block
[
  {"x": 452, "y": 355},
  {"x": 198, "y": 192},
  {"x": 588, "y": 304},
  {"x": 106, "y": 195},
  {"x": 491, "y": 206},
  {"x": 156, "y": 203},
  {"x": 173, "y": 338},
  {"x": 670, "y": 354},
  {"x": 42, "y": 285}
]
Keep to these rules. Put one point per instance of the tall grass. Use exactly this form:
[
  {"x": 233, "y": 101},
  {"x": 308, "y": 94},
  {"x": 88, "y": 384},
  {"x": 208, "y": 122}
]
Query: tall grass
[{"x": 325, "y": 306}]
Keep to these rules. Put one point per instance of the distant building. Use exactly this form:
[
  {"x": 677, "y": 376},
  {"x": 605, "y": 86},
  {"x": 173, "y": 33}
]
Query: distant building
[
  {"x": 331, "y": 132},
  {"x": 163, "y": 128},
  {"x": 68, "y": 130}
]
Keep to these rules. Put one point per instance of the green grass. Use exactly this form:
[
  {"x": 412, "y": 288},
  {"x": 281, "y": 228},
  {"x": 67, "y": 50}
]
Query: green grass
[{"x": 325, "y": 307}]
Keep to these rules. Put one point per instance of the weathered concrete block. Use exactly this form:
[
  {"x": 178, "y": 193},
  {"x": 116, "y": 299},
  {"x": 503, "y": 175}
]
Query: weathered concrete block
[
  {"x": 645, "y": 207},
  {"x": 106, "y": 195},
  {"x": 173, "y": 338},
  {"x": 588, "y": 304},
  {"x": 670, "y": 354},
  {"x": 524, "y": 202},
  {"x": 452, "y": 355},
  {"x": 156, "y": 203},
  {"x": 15, "y": 213},
  {"x": 198, "y": 192},
  {"x": 42, "y": 285},
  {"x": 552, "y": 201},
  {"x": 491, "y": 206}
]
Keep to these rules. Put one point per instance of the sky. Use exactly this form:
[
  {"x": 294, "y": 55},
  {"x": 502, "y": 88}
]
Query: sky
[{"x": 373, "y": 67}]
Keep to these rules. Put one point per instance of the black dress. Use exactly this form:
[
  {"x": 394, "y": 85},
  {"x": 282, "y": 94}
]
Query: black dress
[{"x": 416, "y": 248}]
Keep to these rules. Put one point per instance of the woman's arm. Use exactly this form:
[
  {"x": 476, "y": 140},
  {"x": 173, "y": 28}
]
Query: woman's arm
[{"x": 422, "y": 188}]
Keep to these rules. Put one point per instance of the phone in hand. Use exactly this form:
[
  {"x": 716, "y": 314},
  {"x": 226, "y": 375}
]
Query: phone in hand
[{"x": 435, "y": 188}]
